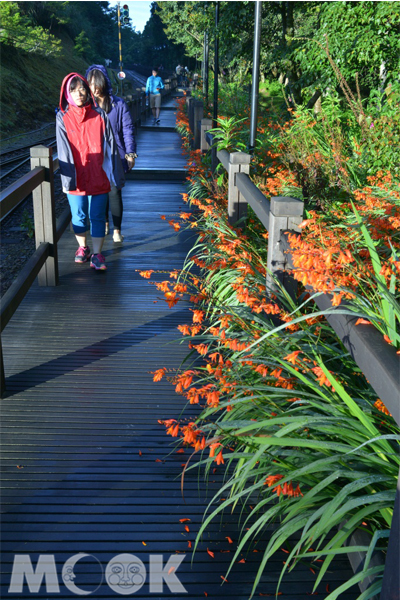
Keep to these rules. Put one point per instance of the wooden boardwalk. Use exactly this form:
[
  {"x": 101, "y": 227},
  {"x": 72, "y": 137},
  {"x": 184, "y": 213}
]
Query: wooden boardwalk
[{"x": 86, "y": 467}]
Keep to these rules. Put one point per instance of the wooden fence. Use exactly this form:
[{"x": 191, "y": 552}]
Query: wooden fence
[{"x": 377, "y": 359}]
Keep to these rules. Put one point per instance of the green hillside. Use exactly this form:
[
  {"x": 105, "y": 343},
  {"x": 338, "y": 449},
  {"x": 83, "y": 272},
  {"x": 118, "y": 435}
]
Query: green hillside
[{"x": 30, "y": 85}]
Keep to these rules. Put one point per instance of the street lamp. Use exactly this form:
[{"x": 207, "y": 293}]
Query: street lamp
[{"x": 256, "y": 76}]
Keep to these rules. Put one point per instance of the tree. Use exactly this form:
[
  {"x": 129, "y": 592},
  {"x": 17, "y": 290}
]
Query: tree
[{"x": 16, "y": 30}]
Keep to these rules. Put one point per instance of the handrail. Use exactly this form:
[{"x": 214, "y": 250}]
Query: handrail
[
  {"x": 254, "y": 197},
  {"x": 223, "y": 157},
  {"x": 17, "y": 191}
]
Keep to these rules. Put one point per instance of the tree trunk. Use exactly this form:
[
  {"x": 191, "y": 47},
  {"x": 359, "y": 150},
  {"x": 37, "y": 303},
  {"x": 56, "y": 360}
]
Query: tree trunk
[
  {"x": 284, "y": 22},
  {"x": 289, "y": 18}
]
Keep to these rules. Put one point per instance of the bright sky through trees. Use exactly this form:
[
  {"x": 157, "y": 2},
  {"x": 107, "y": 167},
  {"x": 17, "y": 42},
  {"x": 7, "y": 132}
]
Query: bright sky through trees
[{"x": 139, "y": 12}]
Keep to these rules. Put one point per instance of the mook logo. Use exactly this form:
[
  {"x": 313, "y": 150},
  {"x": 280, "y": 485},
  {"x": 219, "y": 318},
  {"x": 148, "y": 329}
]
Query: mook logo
[{"x": 125, "y": 574}]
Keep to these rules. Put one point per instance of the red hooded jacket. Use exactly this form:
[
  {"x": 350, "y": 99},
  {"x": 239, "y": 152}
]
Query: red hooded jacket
[{"x": 87, "y": 152}]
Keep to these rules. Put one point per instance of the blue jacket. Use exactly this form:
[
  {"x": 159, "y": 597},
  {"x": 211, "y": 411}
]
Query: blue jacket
[
  {"x": 120, "y": 120},
  {"x": 153, "y": 83}
]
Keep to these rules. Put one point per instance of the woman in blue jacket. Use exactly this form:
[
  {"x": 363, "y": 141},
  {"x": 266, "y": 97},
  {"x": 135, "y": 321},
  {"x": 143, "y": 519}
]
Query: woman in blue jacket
[{"x": 124, "y": 133}]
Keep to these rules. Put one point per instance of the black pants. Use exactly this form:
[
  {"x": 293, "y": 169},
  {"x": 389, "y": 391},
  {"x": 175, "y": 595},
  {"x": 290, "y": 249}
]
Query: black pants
[{"x": 115, "y": 204}]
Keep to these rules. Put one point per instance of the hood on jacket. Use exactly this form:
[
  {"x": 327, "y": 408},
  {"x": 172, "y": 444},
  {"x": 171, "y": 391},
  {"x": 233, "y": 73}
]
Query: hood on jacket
[
  {"x": 104, "y": 71},
  {"x": 63, "y": 90}
]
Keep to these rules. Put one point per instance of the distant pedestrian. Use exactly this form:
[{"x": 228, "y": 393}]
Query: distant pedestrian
[
  {"x": 124, "y": 133},
  {"x": 89, "y": 161},
  {"x": 178, "y": 71},
  {"x": 154, "y": 86}
]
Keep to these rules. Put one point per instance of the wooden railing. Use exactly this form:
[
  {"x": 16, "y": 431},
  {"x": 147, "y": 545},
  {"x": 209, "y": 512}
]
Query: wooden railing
[{"x": 377, "y": 359}]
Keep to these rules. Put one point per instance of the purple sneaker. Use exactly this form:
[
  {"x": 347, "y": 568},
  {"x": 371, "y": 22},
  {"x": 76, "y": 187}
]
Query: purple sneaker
[
  {"x": 82, "y": 254},
  {"x": 98, "y": 262}
]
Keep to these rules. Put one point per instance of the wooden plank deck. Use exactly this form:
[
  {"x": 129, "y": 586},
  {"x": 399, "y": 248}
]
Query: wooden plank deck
[{"x": 86, "y": 467}]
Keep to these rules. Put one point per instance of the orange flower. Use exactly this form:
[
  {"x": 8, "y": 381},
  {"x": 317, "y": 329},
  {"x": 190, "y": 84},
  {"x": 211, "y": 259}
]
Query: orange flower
[
  {"x": 198, "y": 316},
  {"x": 271, "y": 479},
  {"x": 219, "y": 458},
  {"x": 213, "y": 448},
  {"x": 171, "y": 299},
  {"x": 159, "y": 374},
  {"x": 184, "y": 329},
  {"x": 292, "y": 358},
  {"x": 146, "y": 274},
  {"x": 380, "y": 406}
]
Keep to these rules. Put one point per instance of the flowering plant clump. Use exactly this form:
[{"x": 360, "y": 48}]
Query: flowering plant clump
[{"x": 305, "y": 441}]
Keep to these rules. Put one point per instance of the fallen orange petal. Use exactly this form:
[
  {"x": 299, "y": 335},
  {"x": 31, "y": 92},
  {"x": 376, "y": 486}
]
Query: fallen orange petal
[
  {"x": 171, "y": 570},
  {"x": 211, "y": 553},
  {"x": 222, "y": 577},
  {"x": 184, "y": 520},
  {"x": 187, "y": 528},
  {"x": 229, "y": 539},
  {"x": 144, "y": 543}
]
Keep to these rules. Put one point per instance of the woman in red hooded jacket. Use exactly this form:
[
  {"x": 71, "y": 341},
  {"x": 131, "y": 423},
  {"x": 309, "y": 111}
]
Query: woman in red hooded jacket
[{"x": 89, "y": 161}]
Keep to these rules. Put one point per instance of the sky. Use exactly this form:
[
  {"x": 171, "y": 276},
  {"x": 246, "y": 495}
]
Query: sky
[{"x": 139, "y": 12}]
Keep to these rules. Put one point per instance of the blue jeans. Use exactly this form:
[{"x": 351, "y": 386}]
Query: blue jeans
[{"x": 88, "y": 208}]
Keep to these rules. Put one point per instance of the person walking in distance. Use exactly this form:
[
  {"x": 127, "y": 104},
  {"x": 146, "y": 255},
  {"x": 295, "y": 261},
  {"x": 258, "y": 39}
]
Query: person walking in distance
[
  {"x": 89, "y": 161},
  {"x": 124, "y": 133},
  {"x": 154, "y": 86}
]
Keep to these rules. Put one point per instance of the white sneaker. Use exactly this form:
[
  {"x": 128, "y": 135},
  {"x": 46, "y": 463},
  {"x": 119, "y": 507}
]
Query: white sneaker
[{"x": 118, "y": 237}]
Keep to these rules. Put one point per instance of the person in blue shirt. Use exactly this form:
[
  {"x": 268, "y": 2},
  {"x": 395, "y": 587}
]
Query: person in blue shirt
[{"x": 154, "y": 86}]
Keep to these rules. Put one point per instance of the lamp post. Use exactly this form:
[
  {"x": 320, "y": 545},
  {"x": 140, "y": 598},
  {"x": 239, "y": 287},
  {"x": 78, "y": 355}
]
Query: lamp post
[
  {"x": 205, "y": 68},
  {"x": 256, "y": 75},
  {"x": 216, "y": 65},
  {"x": 214, "y": 160},
  {"x": 120, "y": 42}
]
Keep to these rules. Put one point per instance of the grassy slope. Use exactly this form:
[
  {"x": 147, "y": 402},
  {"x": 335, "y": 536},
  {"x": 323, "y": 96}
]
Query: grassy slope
[{"x": 30, "y": 86}]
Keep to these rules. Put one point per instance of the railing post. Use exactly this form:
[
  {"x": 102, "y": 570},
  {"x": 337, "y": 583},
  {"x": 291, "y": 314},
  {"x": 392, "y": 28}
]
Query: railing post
[
  {"x": 44, "y": 214},
  {"x": 285, "y": 214},
  {"x": 189, "y": 103},
  {"x": 198, "y": 111},
  {"x": 239, "y": 162},
  {"x": 205, "y": 125}
]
